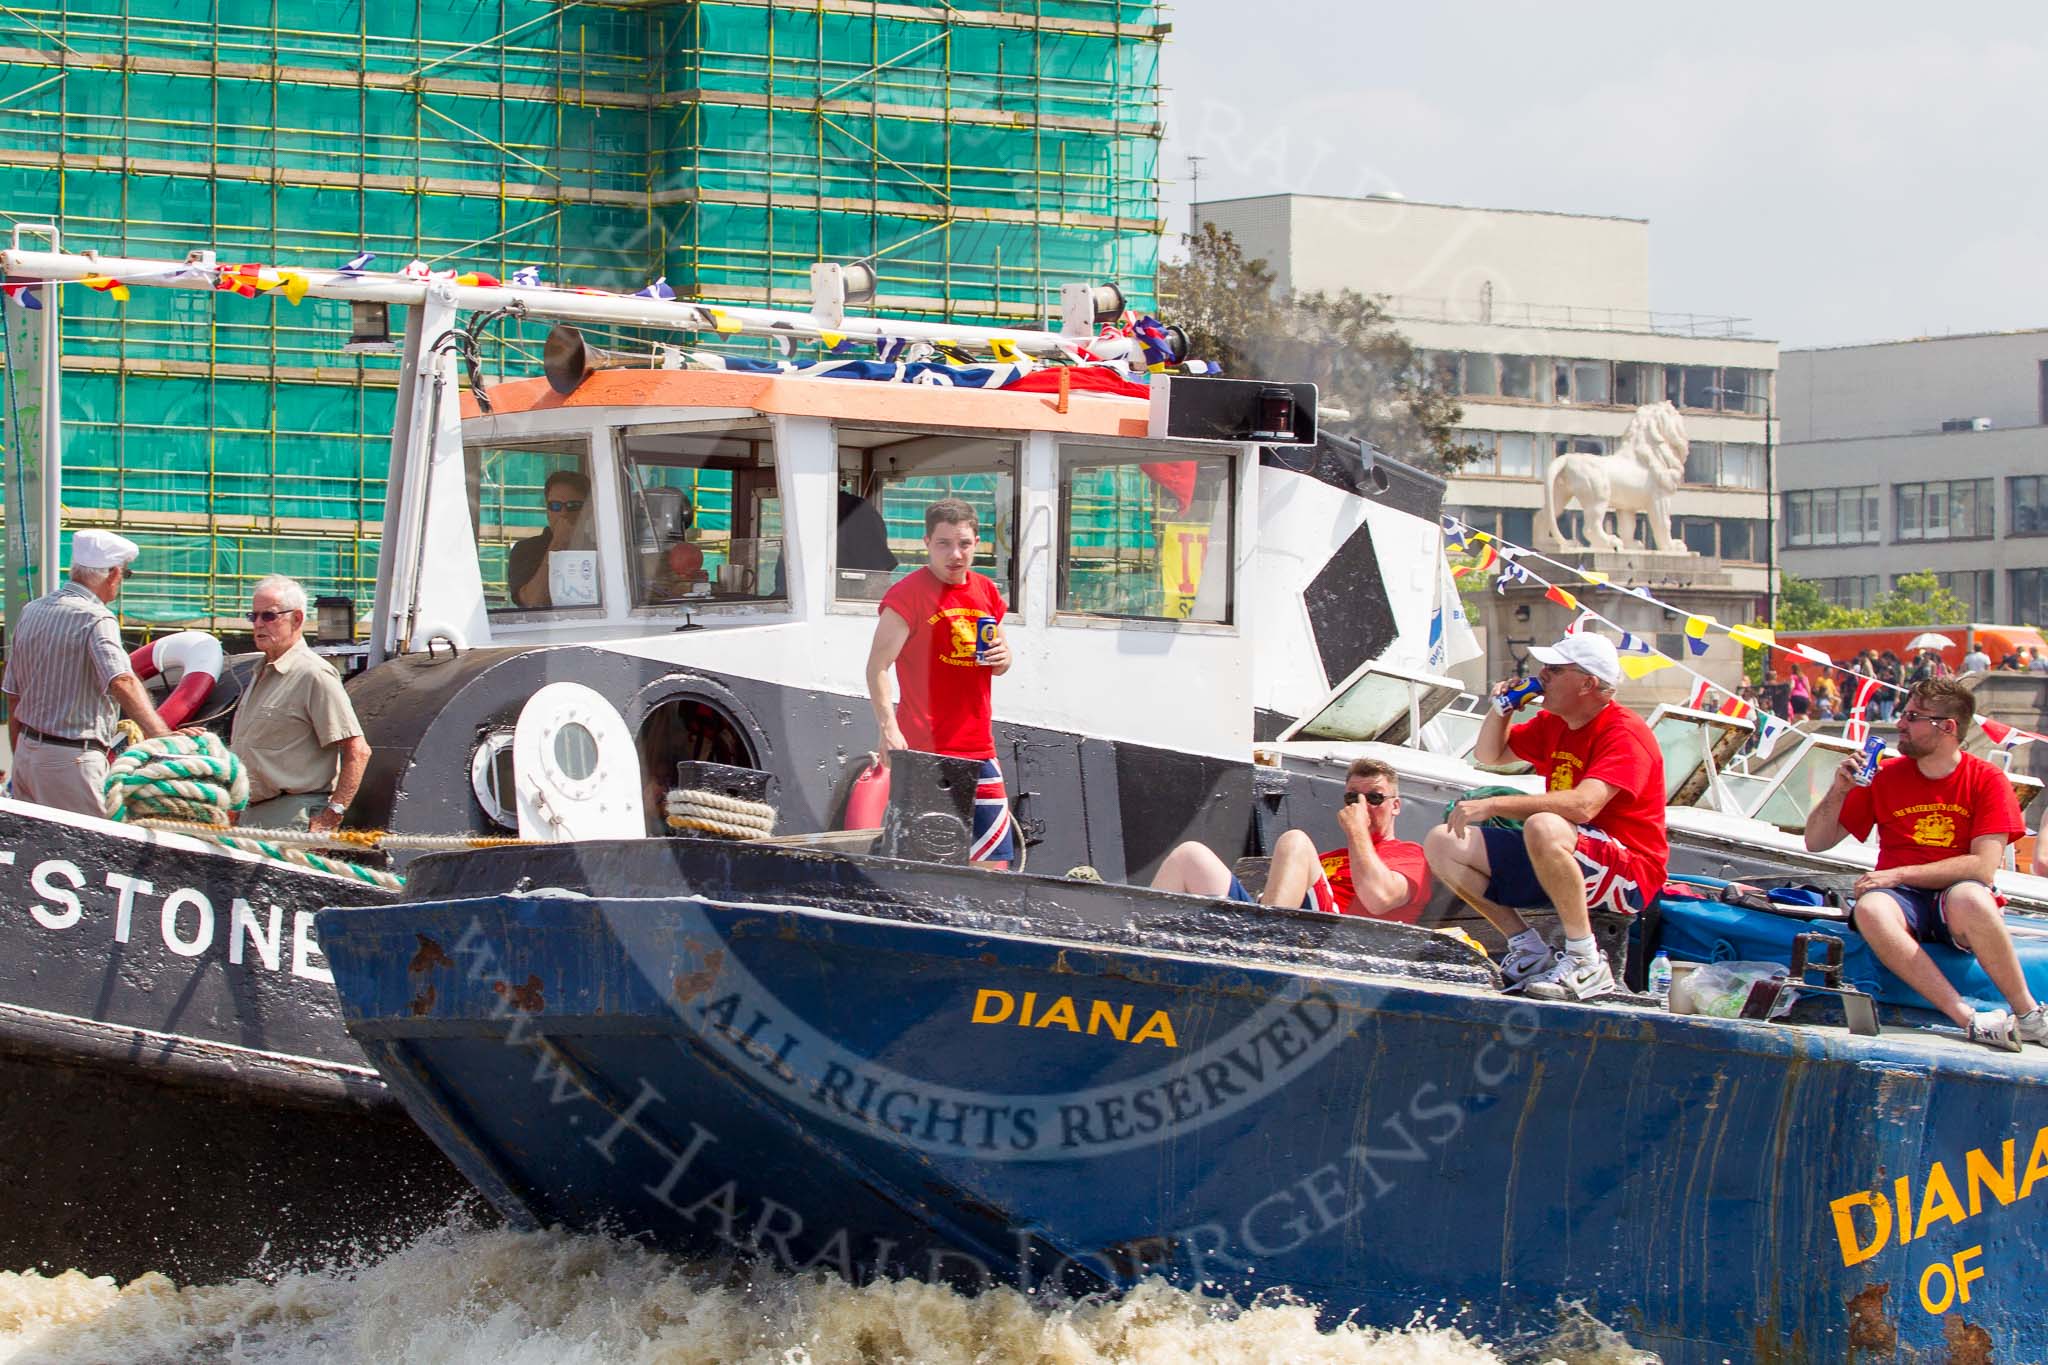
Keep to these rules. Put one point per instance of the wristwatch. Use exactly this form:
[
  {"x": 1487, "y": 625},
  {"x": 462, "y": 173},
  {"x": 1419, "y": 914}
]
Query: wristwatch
[{"x": 336, "y": 810}]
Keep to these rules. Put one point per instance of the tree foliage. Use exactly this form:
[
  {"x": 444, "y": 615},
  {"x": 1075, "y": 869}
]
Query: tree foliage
[
  {"x": 1916, "y": 599},
  {"x": 1344, "y": 343}
]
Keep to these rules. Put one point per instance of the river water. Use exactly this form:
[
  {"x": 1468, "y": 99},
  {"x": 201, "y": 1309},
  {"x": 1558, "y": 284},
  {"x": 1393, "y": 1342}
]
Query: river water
[{"x": 464, "y": 1294}]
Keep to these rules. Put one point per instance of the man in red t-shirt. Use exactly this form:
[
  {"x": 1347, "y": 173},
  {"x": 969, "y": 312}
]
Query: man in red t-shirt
[
  {"x": 926, "y": 632},
  {"x": 1374, "y": 874},
  {"x": 1593, "y": 838},
  {"x": 1943, "y": 818}
]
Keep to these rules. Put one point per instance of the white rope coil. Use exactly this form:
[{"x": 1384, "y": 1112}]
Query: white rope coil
[
  {"x": 709, "y": 812},
  {"x": 178, "y": 777}
]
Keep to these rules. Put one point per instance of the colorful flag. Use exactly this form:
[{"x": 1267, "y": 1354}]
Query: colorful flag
[
  {"x": 527, "y": 277},
  {"x": 1640, "y": 666},
  {"x": 1562, "y": 598},
  {"x": 888, "y": 349},
  {"x": 416, "y": 270},
  {"x": 1818, "y": 656},
  {"x": 1634, "y": 644},
  {"x": 1696, "y": 633},
  {"x": 1598, "y": 580},
  {"x": 1753, "y": 636},
  {"x": 1999, "y": 733},
  {"x": 107, "y": 285},
  {"x": 1701, "y": 688},
  {"x": 1510, "y": 572},
  {"x": 293, "y": 285},
  {"x": 1866, "y": 688},
  {"x": 1004, "y": 349},
  {"x": 1737, "y": 708},
  {"x": 1767, "y": 736},
  {"x": 358, "y": 263},
  {"x": 660, "y": 290},
  {"x": 244, "y": 279},
  {"x": 1580, "y": 622},
  {"x": 25, "y": 295},
  {"x": 473, "y": 278}
]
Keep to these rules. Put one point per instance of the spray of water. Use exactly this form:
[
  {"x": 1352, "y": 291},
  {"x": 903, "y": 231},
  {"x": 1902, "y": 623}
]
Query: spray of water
[{"x": 464, "y": 1294}]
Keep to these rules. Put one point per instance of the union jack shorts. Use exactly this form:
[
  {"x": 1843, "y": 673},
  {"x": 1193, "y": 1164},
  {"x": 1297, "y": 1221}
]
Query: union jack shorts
[
  {"x": 995, "y": 834},
  {"x": 1613, "y": 881}
]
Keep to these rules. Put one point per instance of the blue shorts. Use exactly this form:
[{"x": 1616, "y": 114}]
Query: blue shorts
[
  {"x": 1923, "y": 911},
  {"x": 1244, "y": 897},
  {"x": 995, "y": 834},
  {"x": 1612, "y": 879}
]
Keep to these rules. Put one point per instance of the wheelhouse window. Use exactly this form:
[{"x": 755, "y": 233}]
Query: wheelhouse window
[
  {"x": 703, "y": 514},
  {"x": 1143, "y": 537},
  {"x": 534, "y": 519},
  {"x": 886, "y": 481}
]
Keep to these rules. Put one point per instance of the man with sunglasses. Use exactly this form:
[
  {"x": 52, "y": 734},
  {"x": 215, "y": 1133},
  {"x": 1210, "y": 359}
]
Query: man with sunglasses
[
  {"x": 526, "y": 566},
  {"x": 1374, "y": 874},
  {"x": 1594, "y": 838},
  {"x": 68, "y": 681},
  {"x": 1943, "y": 818},
  {"x": 295, "y": 731}
]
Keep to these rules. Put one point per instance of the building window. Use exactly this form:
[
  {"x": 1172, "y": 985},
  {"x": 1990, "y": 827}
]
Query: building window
[
  {"x": 1691, "y": 386},
  {"x": 1592, "y": 382},
  {"x": 1635, "y": 385},
  {"x": 2028, "y": 513},
  {"x": 1745, "y": 390},
  {"x": 1511, "y": 525},
  {"x": 1703, "y": 463},
  {"x": 1580, "y": 445},
  {"x": 1848, "y": 592},
  {"x": 1507, "y": 454},
  {"x": 1482, "y": 375},
  {"x": 1518, "y": 377},
  {"x": 1831, "y": 516},
  {"x": 1973, "y": 587},
  {"x": 1738, "y": 540},
  {"x": 1704, "y": 388},
  {"x": 1957, "y": 510},
  {"x": 2027, "y": 587}
]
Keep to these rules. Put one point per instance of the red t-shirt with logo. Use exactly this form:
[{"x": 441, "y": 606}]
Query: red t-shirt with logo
[
  {"x": 944, "y": 704},
  {"x": 1617, "y": 748},
  {"x": 1400, "y": 856},
  {"x": 1920, "y": 820}
]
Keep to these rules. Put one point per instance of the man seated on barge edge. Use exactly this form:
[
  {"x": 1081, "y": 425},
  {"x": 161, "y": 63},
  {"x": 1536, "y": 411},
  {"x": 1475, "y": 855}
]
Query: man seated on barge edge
[
  {"x": 1593, "y": 839},
  {"x": 295, "y": 729},
  {"x": 1943, "y": 818},
  {"x": 926, "y": 632},
  {"x": 1375, "y": 875}
]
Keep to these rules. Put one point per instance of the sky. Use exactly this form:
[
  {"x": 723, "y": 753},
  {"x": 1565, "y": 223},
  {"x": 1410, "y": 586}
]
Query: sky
[{"x": 1832, "y": 172}]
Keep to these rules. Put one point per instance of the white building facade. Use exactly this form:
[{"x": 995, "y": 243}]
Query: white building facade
[
  {"x": 1542, "y": 323},
  {"x": 1929, "y": 454}
]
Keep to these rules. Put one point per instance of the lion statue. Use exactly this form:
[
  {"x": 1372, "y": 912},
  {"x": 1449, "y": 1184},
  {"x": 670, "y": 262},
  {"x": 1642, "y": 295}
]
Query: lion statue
[{"x": 1639, "y": 476}]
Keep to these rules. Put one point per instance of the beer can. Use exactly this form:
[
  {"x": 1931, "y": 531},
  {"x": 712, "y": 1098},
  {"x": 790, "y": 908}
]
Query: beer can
[
  {"x": 1511, "y": 700},
  {"x": 984, "y": 637},
  {"x": 1873, "y": 750}
]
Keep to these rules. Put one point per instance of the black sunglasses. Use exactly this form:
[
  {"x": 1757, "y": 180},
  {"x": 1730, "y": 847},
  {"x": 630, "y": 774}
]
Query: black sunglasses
[
  {"x": 569, "y": 505},
  {"x": 1370, "y": 798},
  {"x": 264, "y": 618}
]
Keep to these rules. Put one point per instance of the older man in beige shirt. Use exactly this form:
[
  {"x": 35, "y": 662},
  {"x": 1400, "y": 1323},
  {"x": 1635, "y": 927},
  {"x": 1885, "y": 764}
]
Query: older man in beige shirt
[{"x": 295, "y": 731}]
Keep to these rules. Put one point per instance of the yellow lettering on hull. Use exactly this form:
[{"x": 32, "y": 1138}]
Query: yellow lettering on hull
[{"x": 1106, "y": 1017}]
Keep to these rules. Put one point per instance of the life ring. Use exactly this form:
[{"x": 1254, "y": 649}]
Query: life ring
[{"x": 192, "y": 654}]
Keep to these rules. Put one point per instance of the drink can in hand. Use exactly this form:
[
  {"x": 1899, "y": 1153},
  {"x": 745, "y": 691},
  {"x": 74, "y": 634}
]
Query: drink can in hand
[
  {"x": 1511, "y": 700},
  {"x": 984, "y": 637},
  {"x": 1873, "y": 750}
]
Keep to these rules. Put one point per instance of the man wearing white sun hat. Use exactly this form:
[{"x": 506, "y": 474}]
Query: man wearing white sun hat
[
  {"x": 1594, "y": 838},
  {"x": 68, "y": 680}
]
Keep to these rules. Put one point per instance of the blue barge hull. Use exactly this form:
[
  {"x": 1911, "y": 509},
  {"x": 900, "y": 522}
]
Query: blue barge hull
[{"x": 899, "y": 1094}]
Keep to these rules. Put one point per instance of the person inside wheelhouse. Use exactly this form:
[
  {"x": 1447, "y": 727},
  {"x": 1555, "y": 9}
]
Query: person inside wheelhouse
[{"x": 529, "y": 566}]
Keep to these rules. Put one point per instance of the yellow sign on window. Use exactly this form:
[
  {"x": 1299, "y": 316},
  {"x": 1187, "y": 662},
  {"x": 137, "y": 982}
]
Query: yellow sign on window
[{"x": 1183, "y": 547}]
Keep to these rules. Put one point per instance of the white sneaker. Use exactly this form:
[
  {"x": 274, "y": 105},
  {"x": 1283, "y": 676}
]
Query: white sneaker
[
  {"x": 1572, "y": 979},
  {"x": 1521, "y": 965},
  {"x": 2033, "y": 1026},
  {"x": 1995, "y": 1028}
]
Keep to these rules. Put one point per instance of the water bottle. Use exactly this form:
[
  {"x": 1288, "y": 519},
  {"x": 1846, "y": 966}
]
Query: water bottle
[{"x": 1660, "y": 975}]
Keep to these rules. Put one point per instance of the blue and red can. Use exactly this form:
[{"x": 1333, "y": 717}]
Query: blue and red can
[
  {"x": 1873, "y": 750},
  {"x": 984, "y": 637},
  {"x": 1511, "y": 700}
]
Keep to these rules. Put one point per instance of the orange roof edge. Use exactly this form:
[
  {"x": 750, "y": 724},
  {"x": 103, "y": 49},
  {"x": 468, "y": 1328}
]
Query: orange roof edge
[{"x": 847, "y": 400}]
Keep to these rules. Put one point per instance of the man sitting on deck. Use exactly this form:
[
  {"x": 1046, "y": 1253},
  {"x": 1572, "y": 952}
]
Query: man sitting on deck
[
  {"x": 1593, "y": 839},
  {"x": 1375, "y": 874},
  {"x": 1943, "y": 818}
]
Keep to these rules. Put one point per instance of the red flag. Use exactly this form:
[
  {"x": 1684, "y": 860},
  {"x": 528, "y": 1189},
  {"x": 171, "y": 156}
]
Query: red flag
[
  {"x": 1175, "y": 479},
  {"x": 1858, "y": 729},
  {"x": 1700, "y": 691},
  {"x": 1865, "y": 689},
  {"x": 1562, "y": 598},
  {"x": 1736, "y": 707}
]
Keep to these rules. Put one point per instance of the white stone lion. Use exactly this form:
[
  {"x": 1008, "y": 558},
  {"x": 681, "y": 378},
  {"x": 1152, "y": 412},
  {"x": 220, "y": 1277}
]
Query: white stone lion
[{"x": 1639, "y": 476}]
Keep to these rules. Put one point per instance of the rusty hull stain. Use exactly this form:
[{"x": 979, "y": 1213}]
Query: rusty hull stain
[
  {"x": 1869, "y": 1328},
  {"x": 523, "y": 997},
  {"x": 423, "y": 1003},
  {"x": 690, "y": 985},
  {"x": 1968, "y": 1344},
  {"x": 430, "y": 956}
]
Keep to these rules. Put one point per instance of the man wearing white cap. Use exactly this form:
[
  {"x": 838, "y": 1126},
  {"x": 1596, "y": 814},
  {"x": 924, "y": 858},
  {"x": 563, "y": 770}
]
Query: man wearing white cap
[
  {"x": 68, "y": 681},
  {"x": 1594, "y": 838}
]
